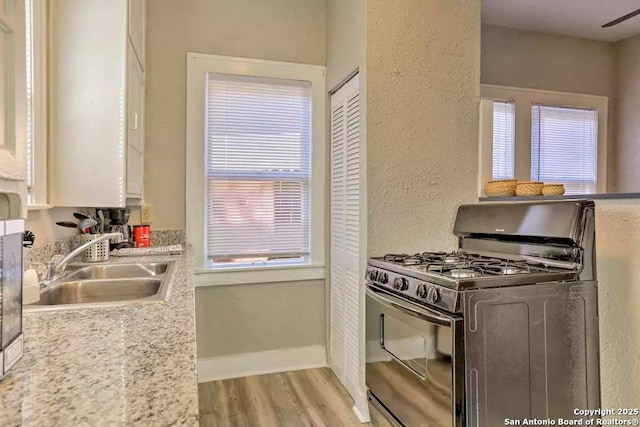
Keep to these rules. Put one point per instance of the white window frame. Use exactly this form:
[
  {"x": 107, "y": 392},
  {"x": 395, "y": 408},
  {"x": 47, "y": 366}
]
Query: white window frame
[
  {"x": 37, "y": 195},
  {"x": 198, "y": 65},
  {"x": 524, "y": 99}
]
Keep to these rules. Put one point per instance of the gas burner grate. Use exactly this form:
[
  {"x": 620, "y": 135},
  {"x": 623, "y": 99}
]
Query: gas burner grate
[
  {"x": 424, "y": 258},
  {"x": 462, "y": 265},
  {"x": 398, "y": 258}
]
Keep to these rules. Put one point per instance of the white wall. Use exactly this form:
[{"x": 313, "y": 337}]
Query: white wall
[
  {"x": 618, "y": 250},
  {"x": 346, "y": 39},
  {"x": 628, "y": 153},
  {"x": 230, "y": 319}
]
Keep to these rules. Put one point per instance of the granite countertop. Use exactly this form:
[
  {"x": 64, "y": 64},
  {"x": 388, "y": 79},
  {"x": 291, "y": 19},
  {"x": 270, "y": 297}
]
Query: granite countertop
[{"x": 127, "y": 365}]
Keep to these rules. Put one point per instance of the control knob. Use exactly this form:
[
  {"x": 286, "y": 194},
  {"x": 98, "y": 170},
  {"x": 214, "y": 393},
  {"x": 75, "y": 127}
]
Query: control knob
[
  {"x": 433, "y": 295},
  {"x": 422, "y": 291},
  {"x": 384, "y": 278},
  {"x": 400, "y": 283}
]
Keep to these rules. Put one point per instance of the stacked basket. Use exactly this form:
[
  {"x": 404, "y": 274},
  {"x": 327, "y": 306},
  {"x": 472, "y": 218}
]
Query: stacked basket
[{"x": 512, "y": 187}]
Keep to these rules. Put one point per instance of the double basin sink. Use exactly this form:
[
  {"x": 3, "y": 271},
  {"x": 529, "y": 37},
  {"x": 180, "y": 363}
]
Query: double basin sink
[{"x": 103, "y": 285}]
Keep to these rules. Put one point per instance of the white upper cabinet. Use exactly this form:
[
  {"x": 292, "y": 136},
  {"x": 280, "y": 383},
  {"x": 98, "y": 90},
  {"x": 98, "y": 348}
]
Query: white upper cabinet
[
  {"x": 13, "y": 126},
  {"x": 135, "y": 128},
  {"x": 96, "y": 92},
  {"x": 137, "y": 24}
]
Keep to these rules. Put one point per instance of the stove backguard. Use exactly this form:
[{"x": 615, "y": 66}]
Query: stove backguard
[{"x": 561, "y": 234}]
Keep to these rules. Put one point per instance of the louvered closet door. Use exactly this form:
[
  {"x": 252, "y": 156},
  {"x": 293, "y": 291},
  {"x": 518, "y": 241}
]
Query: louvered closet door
[{"x": 345, "y": 235}]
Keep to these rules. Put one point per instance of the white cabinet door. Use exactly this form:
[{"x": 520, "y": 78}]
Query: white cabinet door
[
  {"x": 347, "y": 247},
  {"x": 137, "y": 14},
  {"x": 12, "y": 91},
  {"x": 135, "y": 124}
]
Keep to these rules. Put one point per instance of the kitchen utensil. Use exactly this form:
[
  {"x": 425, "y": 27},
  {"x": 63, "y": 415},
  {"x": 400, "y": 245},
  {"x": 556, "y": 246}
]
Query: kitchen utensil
[
  {"x": 68, "y": 224},
  {"x": 87, "y": 223},
  {"x": 101, "y": 220},
  {"x": 81, "y": 216}
]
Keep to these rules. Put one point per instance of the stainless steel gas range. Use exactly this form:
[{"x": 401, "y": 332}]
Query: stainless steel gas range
[{"x": 506, "y": 327}]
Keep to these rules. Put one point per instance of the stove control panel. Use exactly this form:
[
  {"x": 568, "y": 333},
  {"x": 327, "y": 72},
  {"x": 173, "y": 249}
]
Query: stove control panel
[{"x": 419, "y": 290}]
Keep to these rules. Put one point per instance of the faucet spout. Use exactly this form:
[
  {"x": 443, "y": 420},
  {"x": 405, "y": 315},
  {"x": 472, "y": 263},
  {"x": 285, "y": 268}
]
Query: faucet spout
[{"x": 57, "y": 267}]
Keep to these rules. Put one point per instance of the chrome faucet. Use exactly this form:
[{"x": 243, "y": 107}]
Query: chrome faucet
[{"x": 55, "y": 266}]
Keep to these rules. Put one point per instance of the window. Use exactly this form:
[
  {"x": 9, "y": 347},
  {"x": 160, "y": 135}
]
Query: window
[
  {"x": 36, "y": 142},
  {"x": 503, "y": 139},
  {"x": 547, "y": 136},
  {"x": 564, "y": 147},
  {"x": 255, "y": 162},
  {"x": 258, "y": 169}
]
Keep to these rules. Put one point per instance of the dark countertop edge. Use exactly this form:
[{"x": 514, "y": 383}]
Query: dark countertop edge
[{"x": 571, "y": 197}]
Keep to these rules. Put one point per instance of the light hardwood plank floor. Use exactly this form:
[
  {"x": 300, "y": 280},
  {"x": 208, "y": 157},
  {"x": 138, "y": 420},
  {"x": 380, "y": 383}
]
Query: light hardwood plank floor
[{"x": 313, "y": 398}]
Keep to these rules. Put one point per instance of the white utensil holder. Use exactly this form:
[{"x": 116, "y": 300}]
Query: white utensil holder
[{"x": 98, "y": 251}]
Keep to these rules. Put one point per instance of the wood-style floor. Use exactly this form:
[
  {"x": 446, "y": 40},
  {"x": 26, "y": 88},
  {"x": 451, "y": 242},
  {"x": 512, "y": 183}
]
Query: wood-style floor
[{"x": 312, "y": 397}]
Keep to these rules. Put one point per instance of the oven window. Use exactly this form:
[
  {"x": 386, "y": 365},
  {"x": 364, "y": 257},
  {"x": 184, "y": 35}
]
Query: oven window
[{"x": 408, "y": 345}]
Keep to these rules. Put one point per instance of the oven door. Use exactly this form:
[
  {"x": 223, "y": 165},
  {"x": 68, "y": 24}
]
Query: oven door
[{"x": 409, "y": 377}]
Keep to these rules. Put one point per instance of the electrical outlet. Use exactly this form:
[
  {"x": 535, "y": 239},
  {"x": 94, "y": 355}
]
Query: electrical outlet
[{"x": 146, "y": 214}]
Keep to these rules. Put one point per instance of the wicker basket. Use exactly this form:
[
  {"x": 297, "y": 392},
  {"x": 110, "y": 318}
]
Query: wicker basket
[
  {"x": 503, "y": 188},
  {"x": 529, "y": 188},
  {"x": 553, "y": 190}
]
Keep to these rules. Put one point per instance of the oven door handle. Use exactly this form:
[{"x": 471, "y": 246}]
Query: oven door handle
[{"x": 423, "y": 313}]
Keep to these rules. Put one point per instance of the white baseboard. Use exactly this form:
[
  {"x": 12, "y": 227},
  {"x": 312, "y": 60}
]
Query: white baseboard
[{"x": 264, "y": 362}]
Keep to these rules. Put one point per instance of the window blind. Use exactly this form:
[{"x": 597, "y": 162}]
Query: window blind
[
  {"x": 503, "y": 140},
  {"x": 258, "y": 145},
  {"x": 564, "y": 147}
]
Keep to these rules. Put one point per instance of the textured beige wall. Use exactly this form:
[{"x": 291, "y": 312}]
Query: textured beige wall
[
  {"x": 618, "y": 249},
  {"x": 423, "y": 88},
  {"x": 282, "y": 30},
  {"x": 232, "y": 319},
  {"x": 346, "y": 38},
  {"x": 544, "y": 61},
  {"x": 628, "y": 153}
]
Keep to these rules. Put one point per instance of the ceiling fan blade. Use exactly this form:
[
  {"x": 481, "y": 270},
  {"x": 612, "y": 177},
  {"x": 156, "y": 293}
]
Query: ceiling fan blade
[{"x": 621, "y": 19}]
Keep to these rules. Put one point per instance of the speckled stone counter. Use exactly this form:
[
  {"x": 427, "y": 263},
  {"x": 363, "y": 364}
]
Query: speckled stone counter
[{"x": 128, "y": 365}]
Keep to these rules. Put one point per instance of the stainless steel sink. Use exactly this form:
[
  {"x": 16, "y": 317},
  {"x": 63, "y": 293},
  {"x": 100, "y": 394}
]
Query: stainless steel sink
[
  {"x": 116, "y": 271},
  {"x": 92, "y": 291},
  {"x": 87, "y": 286}
]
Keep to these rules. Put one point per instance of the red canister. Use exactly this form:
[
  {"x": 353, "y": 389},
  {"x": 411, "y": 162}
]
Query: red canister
[{"x": 142, "y": 236}]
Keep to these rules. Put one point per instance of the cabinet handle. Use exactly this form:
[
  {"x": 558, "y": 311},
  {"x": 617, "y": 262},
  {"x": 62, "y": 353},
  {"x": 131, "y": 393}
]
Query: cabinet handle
[{"x": 134, "y": 126}]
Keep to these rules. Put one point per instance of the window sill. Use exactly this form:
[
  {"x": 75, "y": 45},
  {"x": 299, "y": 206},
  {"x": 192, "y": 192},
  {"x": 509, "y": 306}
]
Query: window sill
[
  {"x": 38, "y": 207},
  {"x": 246, "y": 276}
]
